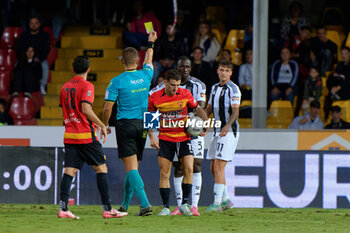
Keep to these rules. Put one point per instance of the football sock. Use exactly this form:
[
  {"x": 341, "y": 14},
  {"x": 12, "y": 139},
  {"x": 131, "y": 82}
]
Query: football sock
[
  {"x": 178, "y": 189},
  {"x": 138, "y": 187},
  {"x": 165, "y": 194},
  {"x": 186, "y": 190},
  {"x": 128, "y": 192},
  {"x": 218, "y": 191},
  {"x": 225, "y": 195},
  {"x": 102, "y": 184},
  {"x": 65, "y": 189},
  {"x": 196, "y": 188}
]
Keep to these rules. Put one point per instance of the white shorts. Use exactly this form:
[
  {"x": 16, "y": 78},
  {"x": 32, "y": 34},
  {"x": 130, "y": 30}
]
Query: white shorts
[
  {"x": 197, "y": 148},
  {"x": 223, "y": 148}
]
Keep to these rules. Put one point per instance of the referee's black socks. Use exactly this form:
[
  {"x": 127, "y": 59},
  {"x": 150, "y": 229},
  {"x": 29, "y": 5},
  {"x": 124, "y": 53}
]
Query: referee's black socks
[
  {"x": 186, "y": 190},
  {"x": 65, "y": 188},
  {"x": 102, "y": 184}
]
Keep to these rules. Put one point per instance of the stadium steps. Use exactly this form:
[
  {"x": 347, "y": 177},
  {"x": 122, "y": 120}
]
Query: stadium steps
[
  {"x": 101, "y": 76},
  {"x": 50, "y": 122},
  {"x": 85, "y": 31},
  {"x": 98, "y": 53},
  {"x": 49, "y": 112},
  {"x": 91, "y": 42},
  {"x": 96, "y": 64}
]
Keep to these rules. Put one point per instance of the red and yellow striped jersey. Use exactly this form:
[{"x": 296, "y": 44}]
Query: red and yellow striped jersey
[
  {"x": 174, "y": 113},
  {"x": 78, "y": 129}
]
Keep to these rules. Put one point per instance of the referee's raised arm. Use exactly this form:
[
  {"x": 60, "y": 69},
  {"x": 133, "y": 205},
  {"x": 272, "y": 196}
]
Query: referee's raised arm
[{"x": 149, "y": 53}]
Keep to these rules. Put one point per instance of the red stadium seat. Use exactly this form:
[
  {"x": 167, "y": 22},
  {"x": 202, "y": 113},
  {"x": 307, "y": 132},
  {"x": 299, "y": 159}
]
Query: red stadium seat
[
  {"x": 7, "y": 59},
  {"x": 22, "y": 108},
  {"x": 48, "y": 30},
  {"x": 5, "y": 82},
  {"x": 38, "y": 100},
  {"x": 10, "y": 36}
]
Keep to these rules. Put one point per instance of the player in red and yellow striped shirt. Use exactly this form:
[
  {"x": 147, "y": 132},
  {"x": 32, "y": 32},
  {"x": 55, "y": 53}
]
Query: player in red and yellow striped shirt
[{"x": 173, "y": 103}]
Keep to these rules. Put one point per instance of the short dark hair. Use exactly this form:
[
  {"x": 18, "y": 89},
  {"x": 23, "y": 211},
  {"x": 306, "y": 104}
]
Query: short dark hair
[
  {"x": 335, "y": 108},
  {"x": 346, "y": 47},
  {"x": 226, "y": 64},
  {"x": 199, "y": 48},
  {"x": 3, "y": 102},
  {"x": 305, "y": 27},
  {"x": 81, "y": 64},
  {"x": 227, "y": 50},
  {"x": 129, "y": 56},
  {"x": 173, "y": 74},
  {"x": 315, "y": 68},
  {"x": 321, "y": 27},
  {"x": 315, "y": 104}
]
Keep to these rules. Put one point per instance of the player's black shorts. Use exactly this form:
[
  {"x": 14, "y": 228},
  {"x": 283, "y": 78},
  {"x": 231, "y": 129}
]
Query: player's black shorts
[
  {"x": 168, "y": 149},
  {"x": 131, "y": 137},
  {"x": 76, "y": 154}
]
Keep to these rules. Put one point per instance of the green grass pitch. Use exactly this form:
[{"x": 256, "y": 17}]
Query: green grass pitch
[{"x": 42, "y": 218}]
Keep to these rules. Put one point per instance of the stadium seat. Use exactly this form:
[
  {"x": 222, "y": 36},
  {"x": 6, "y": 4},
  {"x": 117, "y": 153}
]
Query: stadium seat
[
  {"x": 281, "y": 112},
  {"x": 237, "y": 58},
  {"x": 234, "y": 39},
  {"x": 38, "y": 101},
  {"x": 10, "y": 36},
  {"x": 5, "y": 83},
  {"x": 22, "y": 108},
  {"x": 26, "y": 122},
  {"x": 345, "y": 108},
  {"x": 216, "y": 13},
  {"x": 246, "y": 103},
  {"x": 7, "y": 59}
]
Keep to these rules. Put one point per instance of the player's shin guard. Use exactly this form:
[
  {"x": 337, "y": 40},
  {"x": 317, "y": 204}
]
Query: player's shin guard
[
  {"x": 128, "y": 192},
  {"x": 218, "y": 191},
  {"x": 64, "y": 194},
  {"x": 102, "y": 184},
  {"x": 196, "y": 188},
  {"x": 186, "y": 190},
  {"x": 178, "y": 189},
  {"x": 138, "y": 187}
]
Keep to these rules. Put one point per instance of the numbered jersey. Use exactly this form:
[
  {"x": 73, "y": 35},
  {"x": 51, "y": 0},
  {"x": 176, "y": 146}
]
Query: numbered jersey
[{"x": 78, "y": 129}]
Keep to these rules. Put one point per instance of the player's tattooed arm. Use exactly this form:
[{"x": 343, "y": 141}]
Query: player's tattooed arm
[
  {"x": 149, "y": 53},
  {"x": 153, "y": 141},
  {"x": 201, "y": 103},
  {"x": 233, "y": 118}
]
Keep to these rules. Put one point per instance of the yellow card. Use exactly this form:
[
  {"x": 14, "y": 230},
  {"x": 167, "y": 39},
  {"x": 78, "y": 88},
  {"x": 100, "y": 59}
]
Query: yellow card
[{"x": 149, "y": 27}]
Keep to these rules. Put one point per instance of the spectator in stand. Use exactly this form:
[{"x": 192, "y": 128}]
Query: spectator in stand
[
  {"x": 167, "y": 50},
  {"x": 300, "y": 52},
  {"x": 324, "y": 51},
  {"x": 160, "y": 79},
  {"x": 284, "y": 75},
  {"x": 40, "y": 41},
  {"x": 207, "y": 40},
  {"x": 5, "y": 118},
  {"x": 200, "y": 69},
  {"x": 27, "y": 74},
  {"x": 337, "y": 122},
  {"x": 136, "y": 34},
  {"x": 291, "y": 24},
  {"x": 312, "y": 89},
  {"x": 338, "y": 83},
  {"x": 310, "y": 120},
  {"x": 245, "y": 77}
]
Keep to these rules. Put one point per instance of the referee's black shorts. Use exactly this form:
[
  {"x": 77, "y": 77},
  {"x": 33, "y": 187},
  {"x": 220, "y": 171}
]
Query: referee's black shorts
[
  {"x": 168, "y": 149},
  {"x": 76, "y": 154},
  {"x": 131, "y": 137}
]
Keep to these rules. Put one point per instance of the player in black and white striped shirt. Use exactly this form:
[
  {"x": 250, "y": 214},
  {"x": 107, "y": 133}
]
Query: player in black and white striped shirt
[
  {"x": 198, "y": 90},
  {"x": 224, "y": 101}
]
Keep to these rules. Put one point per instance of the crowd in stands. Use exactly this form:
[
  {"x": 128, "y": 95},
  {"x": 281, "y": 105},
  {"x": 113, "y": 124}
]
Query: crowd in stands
[{"x": 299, "y": 61}]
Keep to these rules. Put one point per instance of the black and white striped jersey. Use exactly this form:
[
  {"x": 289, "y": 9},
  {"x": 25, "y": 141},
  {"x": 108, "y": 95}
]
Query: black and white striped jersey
[
  {"x": 194, "y": 85},
  {"x": 222, "y": 98}
]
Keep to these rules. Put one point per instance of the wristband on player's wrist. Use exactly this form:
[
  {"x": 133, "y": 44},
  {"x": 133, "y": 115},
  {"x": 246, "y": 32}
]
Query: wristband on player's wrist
[{"x": 150, "y": 45}]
